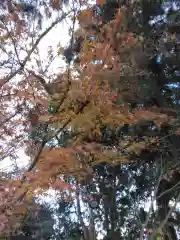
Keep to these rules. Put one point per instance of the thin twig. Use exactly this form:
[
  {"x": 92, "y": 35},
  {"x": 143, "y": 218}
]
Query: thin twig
[
  {"x": 168, "y": 190},
  {"x": 166, "y": 218},
  {"x": 23, "y": 63},
  {"x": 34, "y": 162},
  {"x": 150, "y": 209}
]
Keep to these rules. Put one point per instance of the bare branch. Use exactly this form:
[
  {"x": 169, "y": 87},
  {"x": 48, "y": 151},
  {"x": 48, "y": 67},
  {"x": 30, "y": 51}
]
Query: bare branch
[
  {"x": 12, "y": 115},
  {"x": 166, "y": 218},
  {"x": 23, "y": 63},
  {"x": 168, "y": 190},
  {"x": 34, "y": 162},
  {"x": 150, "y": 209}
]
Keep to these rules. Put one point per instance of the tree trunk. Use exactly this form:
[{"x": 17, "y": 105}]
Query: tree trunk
[{"x": 169, "y": 231}]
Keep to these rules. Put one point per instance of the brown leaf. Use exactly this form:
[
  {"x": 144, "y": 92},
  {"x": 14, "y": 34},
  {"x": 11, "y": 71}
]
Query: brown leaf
[
  {"x": 44, "y": 118},
  {"x": 56, "y": 4},
  {"x": 14, "y": 17},
  {"x": 18, "y": 29},
  {"x": 136, "y": 147},
  {"x": 22, "y": 94}
]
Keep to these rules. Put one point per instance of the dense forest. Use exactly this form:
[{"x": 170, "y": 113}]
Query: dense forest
[{"x": 102, "y": 131}]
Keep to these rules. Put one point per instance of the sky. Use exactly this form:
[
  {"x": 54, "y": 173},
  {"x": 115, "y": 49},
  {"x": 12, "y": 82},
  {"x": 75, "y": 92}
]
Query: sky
[{"x": 58, "y": 35}]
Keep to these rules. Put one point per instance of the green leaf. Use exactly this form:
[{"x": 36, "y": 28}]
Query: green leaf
[
  {"x": 118, "y": 101},
  {"x": 52, "y": 108},
  {"x": 173, "y": 15}
]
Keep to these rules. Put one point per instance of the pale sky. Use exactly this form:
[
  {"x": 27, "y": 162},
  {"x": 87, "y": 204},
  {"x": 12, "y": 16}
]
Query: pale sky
[{"x": 58, "y": 35}]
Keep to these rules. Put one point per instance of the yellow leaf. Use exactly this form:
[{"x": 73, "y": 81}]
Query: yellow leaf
[
  {"x": 136, "y": 147},
  {"x": 60, "y": 50},
  {"x": 29, "y": 196},
  {"x": 44, "y": 118},
  {"x": 3, "y": 38},
  {"x": 86, "y": 46}
]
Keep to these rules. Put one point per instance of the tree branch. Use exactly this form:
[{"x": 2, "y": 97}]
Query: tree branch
[
  {"x": 150, "y": 209},
  {"x": 13, "y": 115},
  {"x": 34, "y": 162},
  {"x": 166, "y": 218},
  {"x": 23, "y": 63},
  {"x": 168, "y": 190}
]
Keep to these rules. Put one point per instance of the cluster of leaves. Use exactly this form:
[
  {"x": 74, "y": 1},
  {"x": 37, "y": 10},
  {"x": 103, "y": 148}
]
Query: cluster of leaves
[{"x": 105, "y": 126}]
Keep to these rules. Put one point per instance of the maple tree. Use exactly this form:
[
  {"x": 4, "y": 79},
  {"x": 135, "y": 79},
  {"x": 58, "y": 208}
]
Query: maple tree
[{"x": 68, "y": 118}]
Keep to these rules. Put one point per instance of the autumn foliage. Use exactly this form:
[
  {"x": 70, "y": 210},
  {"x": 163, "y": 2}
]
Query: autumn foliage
[{"x": 80, "y": 101}]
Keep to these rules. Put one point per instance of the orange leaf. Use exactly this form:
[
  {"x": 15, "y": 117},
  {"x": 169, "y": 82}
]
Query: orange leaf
[
  {"x": 56, "y": 4},
  {"x": 100, "y": 2},
  {"x": 19, "y": 192},
  {"x": 118, "y": 18},
  {"x": 29, "y": 175},
  {"x": 15, "y": 183},
  {"x": 20, "y": 209},
  {"x": 59, "y": 184}
]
